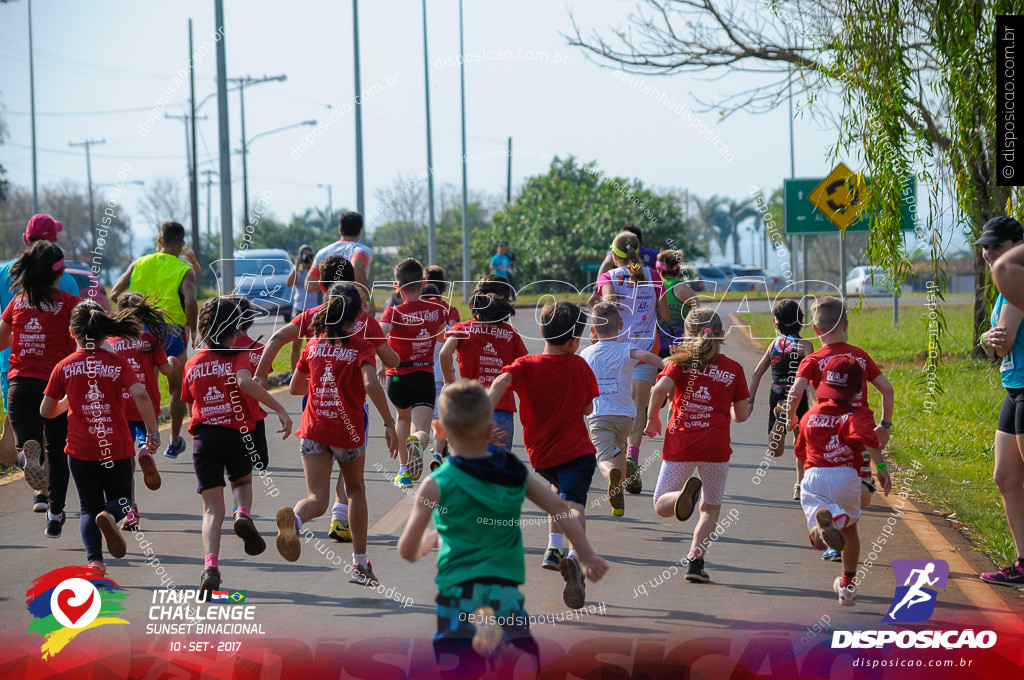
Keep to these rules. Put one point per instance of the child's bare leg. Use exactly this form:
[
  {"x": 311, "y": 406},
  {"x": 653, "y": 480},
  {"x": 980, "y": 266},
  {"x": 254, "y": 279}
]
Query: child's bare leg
[
  {"x": 213, "y": 519},
  {"x": 241, "y": 489},
  {"x": 641, "y": 393},
  {"x": 317, "y": 468},
  {"x": 851, "y": 553},
  {"x": 403, "y": 426},
  {"x": 865, "y": 496},
  {"x": 421, "y": 417},
  {"x": 552, "y": 528},
  {"x": 357, "y": 511},
  {"x": 702, "y": 532},
  {"x": 340, "y": 495},
  {"x": 665, "y": 504}
]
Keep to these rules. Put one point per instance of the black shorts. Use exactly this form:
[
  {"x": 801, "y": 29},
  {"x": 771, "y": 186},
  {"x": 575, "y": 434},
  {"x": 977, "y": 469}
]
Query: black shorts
[
  {"x": 216, "y": 450},
  {"x": 1011, "y": 416},
  {"x": 778, "y": 394},
  {"x": 412, "y": 389},
  {"x": 259, "y": 456}
]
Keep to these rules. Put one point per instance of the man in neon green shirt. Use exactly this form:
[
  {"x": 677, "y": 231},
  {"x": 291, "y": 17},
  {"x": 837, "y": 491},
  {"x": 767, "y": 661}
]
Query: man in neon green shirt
[{"x": 170, "y": 283}]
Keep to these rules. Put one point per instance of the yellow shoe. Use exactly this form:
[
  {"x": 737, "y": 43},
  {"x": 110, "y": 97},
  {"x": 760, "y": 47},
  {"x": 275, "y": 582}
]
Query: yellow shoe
[{"x": 339, "y": 532}]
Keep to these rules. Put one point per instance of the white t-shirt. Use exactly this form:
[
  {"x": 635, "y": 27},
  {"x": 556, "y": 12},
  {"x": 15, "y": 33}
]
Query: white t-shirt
[{"x": 613, "y": 368}]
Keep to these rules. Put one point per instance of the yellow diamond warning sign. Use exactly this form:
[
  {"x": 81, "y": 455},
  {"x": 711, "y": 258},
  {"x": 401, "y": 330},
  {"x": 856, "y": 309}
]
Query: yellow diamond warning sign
[{"x": 841, "y": 196}]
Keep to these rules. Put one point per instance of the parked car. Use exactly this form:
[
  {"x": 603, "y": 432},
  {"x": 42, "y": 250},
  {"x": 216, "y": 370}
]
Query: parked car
[
  {"x": 859, "y": 281},
  {"x": 715, "y": 280},
  {"x": 733, "y": 272},
  {"x": 772, "y": 281},
  {"x": 688, "y": 273},
  {"x": 89, "y": 286},
  {"x": 260, "y": 276}
]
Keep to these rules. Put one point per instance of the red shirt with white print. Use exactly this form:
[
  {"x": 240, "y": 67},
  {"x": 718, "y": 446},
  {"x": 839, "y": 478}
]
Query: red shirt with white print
[
  {"x": 211, "y": 387},
  {"x": 813, "y": 367},
  {"x": 143, "y": 354},
  {"x": 94, "y": 382},
  {"x": 835, "y": 435},
  {"x": 39, "y": 339},
  {"x": 700, "y": 419},
  {"x": 485, "y": 349},
  {"x": 255, "y": 352},
  {"x": 366, "y": 327},
  {"x": 334, "y": 411},
  {"x": 415, "y": 327}
]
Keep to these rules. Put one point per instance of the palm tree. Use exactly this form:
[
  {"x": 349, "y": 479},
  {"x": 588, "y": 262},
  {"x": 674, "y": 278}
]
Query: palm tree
[{"x": 738, "y": 212}]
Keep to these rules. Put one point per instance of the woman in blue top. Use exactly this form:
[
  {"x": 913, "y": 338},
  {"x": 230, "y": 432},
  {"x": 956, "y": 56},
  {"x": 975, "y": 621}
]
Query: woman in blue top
[
  {"x": 301, "y": 300},
  {"x": 1006, "y": 341}
]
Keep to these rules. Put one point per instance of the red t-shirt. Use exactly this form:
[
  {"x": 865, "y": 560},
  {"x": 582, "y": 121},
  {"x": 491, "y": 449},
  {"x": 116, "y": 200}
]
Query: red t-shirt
[
  {"x": 334, "y": 411},
  {"x": 94, "y": 381},
  {"x": 700, "y": 419},
  {"x": 212, "y": 389},
  {"x": 485, "y": 349},
  {"x": 254, "y": 354},
  {"x": 813, "y": 367},
  {"x": 553, "y": 391},
  {"x": 143, "y": 355},
  {"x": 366, "y": 327},
  {"x": 835, "y": 435},
  {"x": 415, "y": 327},
  {"x": 40, "y": 339}
]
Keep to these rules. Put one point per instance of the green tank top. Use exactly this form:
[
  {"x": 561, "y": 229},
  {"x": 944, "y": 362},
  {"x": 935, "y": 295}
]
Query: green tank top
[
  {"x": 677, "y": 310},
  {"x": 478, "y": 522},
  {"x": 159, "y": 276}
]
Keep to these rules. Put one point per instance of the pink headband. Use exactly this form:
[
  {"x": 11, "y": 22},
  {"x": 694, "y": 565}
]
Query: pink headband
[
  {"x": 663, "y": 268},
  {"x": 58, "y": 265}
]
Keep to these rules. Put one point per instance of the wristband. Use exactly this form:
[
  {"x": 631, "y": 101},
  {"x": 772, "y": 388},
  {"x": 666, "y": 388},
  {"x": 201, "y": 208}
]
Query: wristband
[
  {"x": 391, "y": 424},
  {"x": 881, "y": 467},
  {"x": 153, "y": 434},
  {"x": 887, "y": 424}
]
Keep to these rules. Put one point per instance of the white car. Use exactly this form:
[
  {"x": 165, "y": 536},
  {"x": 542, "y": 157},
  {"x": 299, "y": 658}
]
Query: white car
[{"x": 867, "y": 280}]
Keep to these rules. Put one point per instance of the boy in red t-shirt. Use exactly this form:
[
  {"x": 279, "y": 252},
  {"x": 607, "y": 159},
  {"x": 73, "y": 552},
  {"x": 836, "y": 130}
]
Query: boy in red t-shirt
[
  {"x": 554, "y": 429},
  {"x": 412, "y": 329},
  {"x": 834, "y": 435},
  {"x": 708, "y": 392}
]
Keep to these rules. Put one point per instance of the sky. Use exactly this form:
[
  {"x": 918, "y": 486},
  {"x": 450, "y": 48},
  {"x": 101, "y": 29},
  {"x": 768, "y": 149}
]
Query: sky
[{"x": 102, "y": 66}]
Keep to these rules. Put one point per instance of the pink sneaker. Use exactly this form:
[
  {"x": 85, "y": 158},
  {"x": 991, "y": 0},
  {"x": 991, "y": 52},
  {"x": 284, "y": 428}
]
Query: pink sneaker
[{"x": 1011, "y": 576}]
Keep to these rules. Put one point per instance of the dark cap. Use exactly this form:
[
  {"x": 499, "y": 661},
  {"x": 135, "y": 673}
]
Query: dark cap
[{"x": 999, "y": 229}]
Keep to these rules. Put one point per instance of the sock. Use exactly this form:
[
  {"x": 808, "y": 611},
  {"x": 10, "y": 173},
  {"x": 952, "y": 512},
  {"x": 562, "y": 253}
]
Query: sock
[
  {"x": 53, "y": 517},
  {"x": 633, "y": 452},
  {"x": 298, "y": 523},
  {"x": 556, "y": 541},
  {"x": 340, "y": 513},
  {"x": 572, "y": 553},
  {"x": 848, "y": 577},
  {"x": 242, "y": 509},
  {"x": 401, "y": 469},
  {"x": 211, "y": 561},
  {"x": 362, "y": 560}
]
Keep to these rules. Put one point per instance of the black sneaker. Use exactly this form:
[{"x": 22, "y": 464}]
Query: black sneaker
[
  {"x": 552, "y": 559},
  {"x": 246, "y": 530},
  {"x": 54, "y": 525},
  {"x": 695, "y": 571},
  {"x": 686, "y": 502},
  {"x": 575, "y": 592},
  {"x": 209, "y": 581},
  {"x": 40, "y": 502}
]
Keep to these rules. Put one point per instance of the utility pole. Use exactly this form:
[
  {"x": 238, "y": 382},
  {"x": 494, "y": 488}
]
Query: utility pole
[
  {"x": 209, "y": 213},
  {"x": 88, "y": 173},
  {"x": 432, "y": 225},
  {"x": 465, "y": 180},
  {"x": 32, "y": 106},
  {"x": 330, "y": 205},
  {"x": 242, "y": 82},
  {"x": 193, "y": 180},
  {"x": 190, "y": 168},
  {"x": 359, "y": 110},
  {"x": 508, "y": 188},
  {"x": 227, "y": 279}
]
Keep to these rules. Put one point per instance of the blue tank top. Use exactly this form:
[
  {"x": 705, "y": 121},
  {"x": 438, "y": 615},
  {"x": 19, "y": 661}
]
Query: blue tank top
[{"x": 1011, "y": 369}]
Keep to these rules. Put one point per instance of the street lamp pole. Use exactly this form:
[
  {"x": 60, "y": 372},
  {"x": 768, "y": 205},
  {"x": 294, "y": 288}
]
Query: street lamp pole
[
  {"x": 245, "y": 152},
  {"x": 227, "y": 282},
  {"x": 88, "y": 173},
  {"x": 32, "y": 106},
  {"x": 242, "y": 82},
  {"x": 432, "y": 225},
  {"x": 359, "y": 110}
]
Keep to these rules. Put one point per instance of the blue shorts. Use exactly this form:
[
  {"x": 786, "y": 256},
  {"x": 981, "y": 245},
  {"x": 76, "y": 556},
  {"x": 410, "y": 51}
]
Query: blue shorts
[
  {"x": 3, "y": 389},
  {"x": 572, "y": 478},
  {"x": 176, "y": 342},
  {"x": 505, "y": 420},
  {"x": 646, "y": 372},
  {"x": 137, "y": 428}
]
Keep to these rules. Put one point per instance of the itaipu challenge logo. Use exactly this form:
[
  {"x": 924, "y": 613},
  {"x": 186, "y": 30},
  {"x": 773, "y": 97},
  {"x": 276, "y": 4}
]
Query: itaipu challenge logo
[
  {"x": 914, "y": 601},
  {"x": 70, "y": 600}
]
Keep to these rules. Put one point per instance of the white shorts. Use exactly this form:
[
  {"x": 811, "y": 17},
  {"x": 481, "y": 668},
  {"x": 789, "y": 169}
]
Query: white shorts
[{"x": 837, "y": 489}]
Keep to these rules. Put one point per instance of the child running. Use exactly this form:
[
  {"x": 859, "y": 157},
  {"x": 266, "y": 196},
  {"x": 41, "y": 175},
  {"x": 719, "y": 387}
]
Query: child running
[
  {"x": 475, "y": 499},
  {"x": 833, "y": 434},
  {"x": 484, "y": 346},
  {"x": 338, "y": 371},
  {"x": 783, "y": 356},
  {"x": 260, "y": 457},
  {"x": 89, "y": 385},
  {"x": 34, "y": 325},
  {"x": 556, "y": 390},
  {"x": 434, "y": 290},
  {"x": 412, "y": 329},
  {"x": 680, "y": 298},
  {"x": 146, "y": 355},
  {"x": 708, "y": 387},
  {"x": 221, "y": 431},
  {"x": 614, "y": 413}
]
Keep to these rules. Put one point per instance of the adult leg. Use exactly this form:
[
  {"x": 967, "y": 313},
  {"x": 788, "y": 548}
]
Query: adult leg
[
  {"x": 23, "y": 398},
  {"x": 1009, "y": 478},
  {"x": 403, "y": 426},
  {"x": 421, "y": 416}
]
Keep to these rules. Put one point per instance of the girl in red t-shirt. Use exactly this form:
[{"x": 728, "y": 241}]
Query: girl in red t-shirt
[
  {"x": 337, "y": 370},
  {"x": 707, "y": 388},
  {"x": 88, "y": 385},
  {"x": 260, "y": 458},
  {"x": 35, "y": 327},
  {"x": 147, "y": 356},
  {"x": 215, "y": 382}
]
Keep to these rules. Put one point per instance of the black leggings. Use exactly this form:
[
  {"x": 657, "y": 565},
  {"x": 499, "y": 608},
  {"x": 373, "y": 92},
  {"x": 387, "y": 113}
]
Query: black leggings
[
  {"x": 1011, "y": 415},
  {"x": 23, "y": 399},
  {"x": 102, "y": 485}
]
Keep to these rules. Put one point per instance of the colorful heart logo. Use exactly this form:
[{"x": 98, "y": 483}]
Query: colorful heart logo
[{"x": 73, "y": 612}]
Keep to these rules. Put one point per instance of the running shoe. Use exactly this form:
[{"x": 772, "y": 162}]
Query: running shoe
[
  {"x": 246, "y": 530},
  {"x": 687, "y": 500},
  {"x": 832, "y": 536},
  {"x": 209, "y": 581},
  {"x": 435, "y": 461},
  {"x": 634, "y": 484},
  {"x": 32, "y": 453},
  {"x": 552, "y": 559},
  {"x": 415, "y": 466},
  {"x": 695, "y": 571},
  {"x": 1013, "y": 575},
  {"x": 176, "y": 449},
  {"x": 363, "y": 576},
  {"x": 98, "y": 566},
  {"x": 40, "y": 502},
  {"x": 149, "y": 472},
  {"x": 847, "y": 594},
  {"x": 54, "y": 525},
  {"x": 831, "y": 555},
  {"x": 339, "y": 532},
  {"x": 403, "y": 481},
  {"x": 487, "y": 634},
  {"x": 575, "y": 592},
  {"x": 131, "y": 520},
  {"x": 615, "y": 497},
  {"x": 869, "y": 483},
  {"x": 116, "y": 544},
  {"x": 288, "y": 543},
  {"x": 796, "y": 491}
]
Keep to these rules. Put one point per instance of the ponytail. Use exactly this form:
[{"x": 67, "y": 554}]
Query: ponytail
[
  {"x": 702, "y": 342},
  {"x": 36, "y": 272},
  {"x": 491, "y": 301},
  {"x": 149, "y": 315},
  {"x": 343, "y": 306},
  {"x": 92, "y": 325},
  {"x": 218, "y": 320},
  {"x": 626, "y": 246}
]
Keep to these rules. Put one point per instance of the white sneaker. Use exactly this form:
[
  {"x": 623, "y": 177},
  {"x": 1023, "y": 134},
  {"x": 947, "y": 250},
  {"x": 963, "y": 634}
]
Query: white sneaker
[{"x": 847, "y": 595}]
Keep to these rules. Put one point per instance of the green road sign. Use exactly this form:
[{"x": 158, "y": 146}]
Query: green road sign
[
  {"x": 591, "y": 266},
  {"x": 801, "y": 217}
]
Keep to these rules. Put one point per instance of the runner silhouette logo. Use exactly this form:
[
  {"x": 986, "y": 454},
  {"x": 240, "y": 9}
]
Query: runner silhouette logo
[{"x": 914, "y": 601}]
